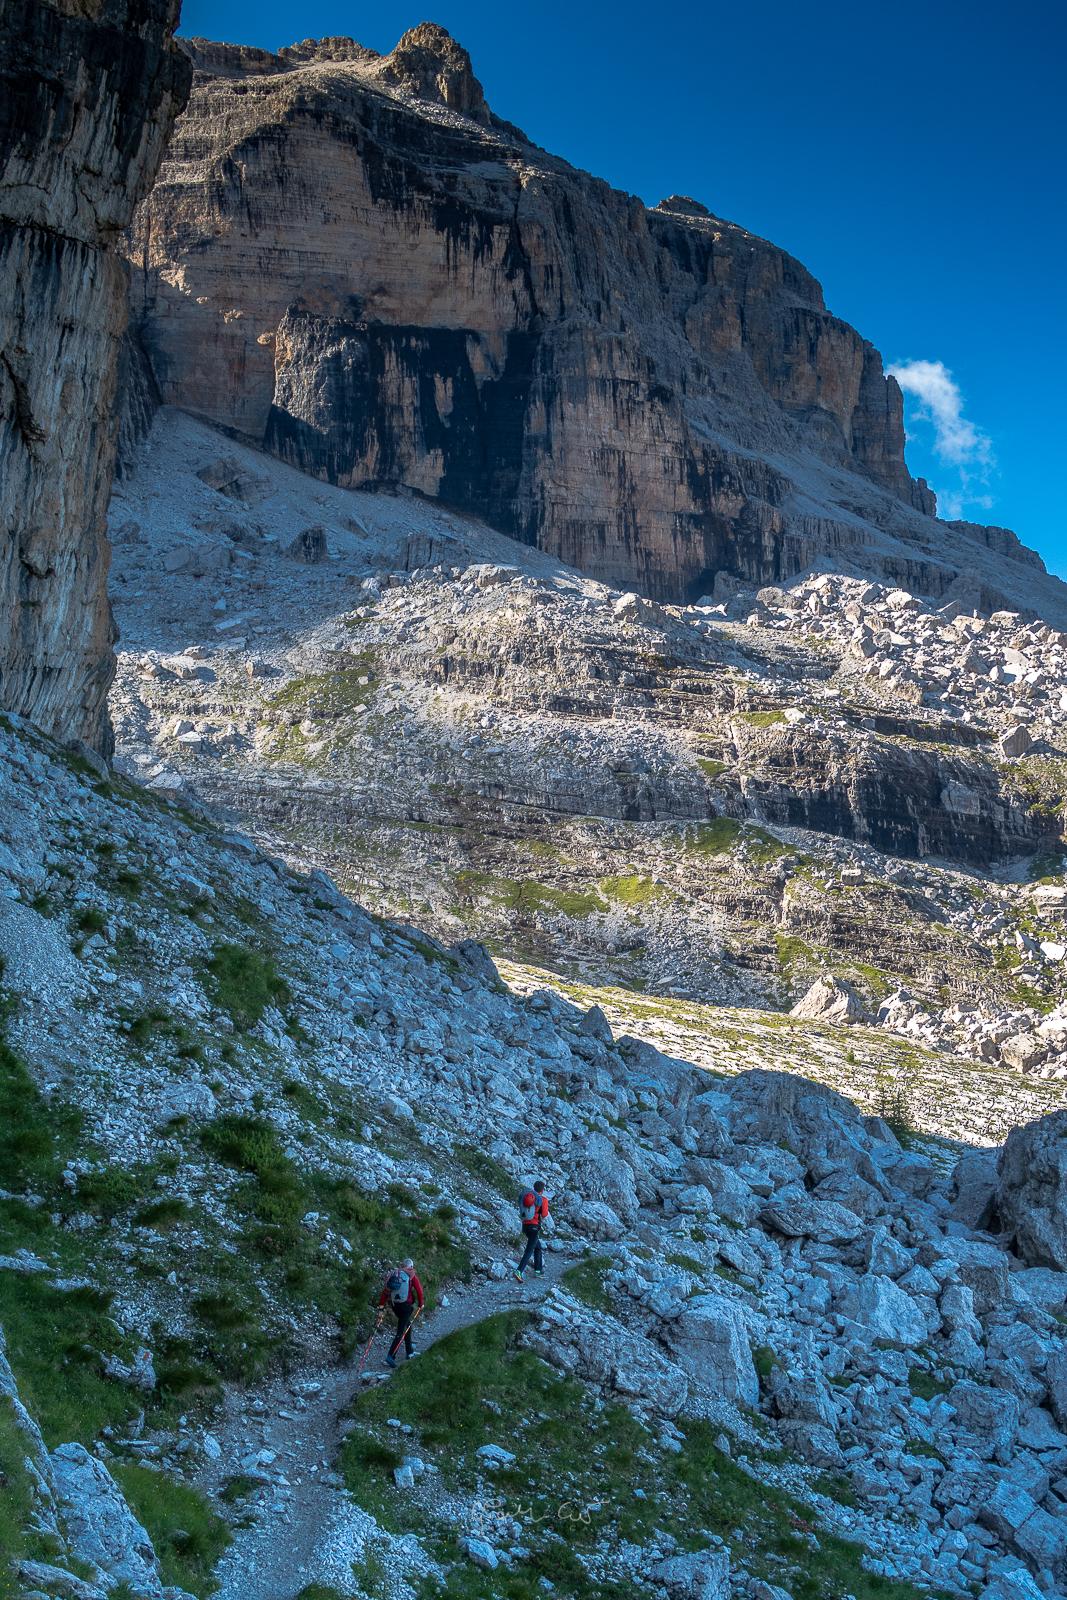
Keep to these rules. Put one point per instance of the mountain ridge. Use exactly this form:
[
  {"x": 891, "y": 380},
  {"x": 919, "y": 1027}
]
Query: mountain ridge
[{"x": 340, "y": 265}]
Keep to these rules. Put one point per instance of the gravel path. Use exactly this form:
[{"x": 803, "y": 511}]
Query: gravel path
[{"x": 307, "y": 1529}]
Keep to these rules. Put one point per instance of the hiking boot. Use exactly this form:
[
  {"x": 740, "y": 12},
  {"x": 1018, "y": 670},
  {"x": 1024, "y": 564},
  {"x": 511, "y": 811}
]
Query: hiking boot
[
  {"x": 539, "y": 1272},
  {"x": 518, "y": 1276},
  {"x": 412, "y": 1353},
  {"x": 390, "y": 1361}
]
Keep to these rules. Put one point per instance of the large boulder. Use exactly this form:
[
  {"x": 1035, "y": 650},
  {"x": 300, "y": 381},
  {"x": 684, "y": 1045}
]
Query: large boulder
[
  {"x": 798, "y": 1216},
  {"x": 821, "y": 1128},
  {"x": 830, "y": 1000},
  {"x": 1056, "y": 1380},
  {"x": 701, "y": 1575},
  {"x": 988, "y": 1417},
  {"x": 979, "y": 1264},
  {"x": 973, "y": 1192},
  {"x": 710, "y": 1341},
  {"x": 101, "y": 1529},
  {"x": 885, "y": 1309},
  {"x": 590, "y": 1346},
  {"x": 601, "y": 1174},
  {"x": 1032, "y": 1191}
]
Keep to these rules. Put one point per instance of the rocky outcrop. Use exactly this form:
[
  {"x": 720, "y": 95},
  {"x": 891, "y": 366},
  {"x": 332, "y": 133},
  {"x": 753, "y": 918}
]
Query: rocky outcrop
[
  {"x": 1031, "y": 1195},
  {"x": 88, "y": 95},
  {"x": 350, "y": 259}
]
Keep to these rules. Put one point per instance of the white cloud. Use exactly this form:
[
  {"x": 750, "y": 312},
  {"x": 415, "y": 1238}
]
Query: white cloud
[{"x": 957, "y": 441}]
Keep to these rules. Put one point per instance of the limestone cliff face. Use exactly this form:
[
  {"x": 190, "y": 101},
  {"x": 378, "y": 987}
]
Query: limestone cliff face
[
  {"x": 349, "y": 259},
  {"x": 88, "y": 94}
]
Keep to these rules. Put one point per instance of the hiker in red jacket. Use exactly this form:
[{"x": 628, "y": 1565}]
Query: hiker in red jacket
[
  {"x": 533, "y": 1209},
  {"x": 402, "y": 1293}
]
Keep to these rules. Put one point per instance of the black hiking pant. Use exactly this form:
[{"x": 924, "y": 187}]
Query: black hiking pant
[
  {"x": 403, "y": 1315},
  {"x": 532, "y": 1230}
]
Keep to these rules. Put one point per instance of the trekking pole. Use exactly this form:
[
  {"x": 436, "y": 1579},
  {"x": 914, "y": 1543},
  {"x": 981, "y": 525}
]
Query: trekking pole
[{"x": 370, "y": 1341}]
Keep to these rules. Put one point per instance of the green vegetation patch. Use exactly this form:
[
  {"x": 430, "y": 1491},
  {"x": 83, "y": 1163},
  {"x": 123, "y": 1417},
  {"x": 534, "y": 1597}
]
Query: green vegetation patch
[
  {"x": 585, "y": 1280},
  {"x": 486, "y": 1169},
  {"x": 632, "y": 889},
  {"x": 570, "y": 1485},
  {"x": 56, "y": 1341},
  {"x": 925, "y": 1385},
  {"x": 18, "y": 1541},
  {"x": 278, "y": 1195},
  {"x": 35, "y": 1133},
  {"x": 244, "y": 983},
  {"x": 526, "y": 896},
  {"x": 331, "y": 694},
  {"x": 714, "y": 838},
  {"x": 188, "y": 1536},
  {"x": 762, "y": 719},
  {"x": 712, "y": 768}
]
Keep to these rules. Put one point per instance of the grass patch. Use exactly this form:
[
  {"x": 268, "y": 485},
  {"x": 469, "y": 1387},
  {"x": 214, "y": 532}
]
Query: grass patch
[
  {"x": 244, "y": 983},
  {"x": 835, "y": 1486},
  {"x": 921, "y": 1447},
  {"x": 711, "y": 768},
  {"x": 486, "y": 1169},
  {"x": 713, "y": 838},
  {"x": 188, "y": 1535},
  {"x": 764, "y": 1360},
  {"x": 278, "y": 1195},
  {"x": 35, "y": 1133},
  {"x": 55, "y": 1342},
  {"x": 632, "y": 890},
  {"x": 526, "y": 896},
  {"x": 18, "y": 1540},
  {"x": 688, "y": 1264},
  {"x": 585, "y": 1280},
  {"x": 925, "y": 1385},
  {"x": 331, "y": 694},
  {"x": 762, "y": 719},
  {"x": 794, "y": 952}
]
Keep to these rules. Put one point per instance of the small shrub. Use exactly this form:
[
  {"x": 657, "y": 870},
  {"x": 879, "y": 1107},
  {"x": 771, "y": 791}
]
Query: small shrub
[
  {"x": 764, "y": 1360},
  {"x": 237, "y": 1488},
  {"x": 90, "y": 919},
  {"x": 688, "y": 1264},
  {"x": 245, "y": 983},
  {"x": 109, "y": 1190},
  {"x": 162, "y": 1214}
]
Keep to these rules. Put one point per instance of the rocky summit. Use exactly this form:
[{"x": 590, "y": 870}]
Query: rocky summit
[
  {"x": 349, "y": 259},
  {"x": 550, "y": 739}
]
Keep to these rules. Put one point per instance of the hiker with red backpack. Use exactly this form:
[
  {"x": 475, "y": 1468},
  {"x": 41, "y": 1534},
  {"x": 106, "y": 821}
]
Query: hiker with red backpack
[
  {"x": 402, "y": 1293},
  {"x": 533, "y": 1209}
]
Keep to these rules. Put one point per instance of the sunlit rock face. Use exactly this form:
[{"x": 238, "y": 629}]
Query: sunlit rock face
[
  {"x": 88, "y": 94},
  {"x": 350, "y": 259}
]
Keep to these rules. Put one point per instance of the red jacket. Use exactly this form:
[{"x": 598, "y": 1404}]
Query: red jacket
[{"x": 414, "y": 1291}]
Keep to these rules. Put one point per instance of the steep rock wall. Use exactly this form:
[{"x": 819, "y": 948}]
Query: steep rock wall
[
  {"x": 88, "y": 95},
  {"x": 350, "y": 259}
]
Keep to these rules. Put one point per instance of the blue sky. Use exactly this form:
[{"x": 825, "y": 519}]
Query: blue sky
[{"x": 911, "y": 155}]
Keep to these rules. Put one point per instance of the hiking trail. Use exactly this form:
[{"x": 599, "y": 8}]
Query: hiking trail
[{"x": 307, "y": 1528}]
